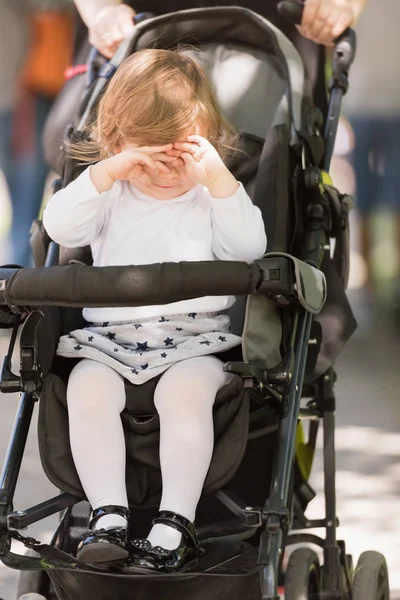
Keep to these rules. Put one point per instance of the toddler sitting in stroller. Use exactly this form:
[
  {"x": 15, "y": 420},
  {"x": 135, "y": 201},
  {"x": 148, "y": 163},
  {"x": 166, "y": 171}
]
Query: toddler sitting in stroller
[{"x": 158, "y": 192}]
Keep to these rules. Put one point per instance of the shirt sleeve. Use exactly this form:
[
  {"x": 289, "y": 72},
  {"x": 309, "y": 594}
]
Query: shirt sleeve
[
  {"x": 238, "y": 228},
  {"x": 75, "y": 215}
]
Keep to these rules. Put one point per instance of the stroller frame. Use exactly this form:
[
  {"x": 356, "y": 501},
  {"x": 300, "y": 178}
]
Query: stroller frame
[{"x": 274, "y": 517}]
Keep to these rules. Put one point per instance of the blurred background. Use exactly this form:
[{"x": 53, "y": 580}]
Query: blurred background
[{"x": 36, "y": 39}]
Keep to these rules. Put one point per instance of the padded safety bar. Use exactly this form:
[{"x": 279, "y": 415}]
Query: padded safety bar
[
  {"x": 83, "y": 286},
  {"x": 280, "y": 277}
]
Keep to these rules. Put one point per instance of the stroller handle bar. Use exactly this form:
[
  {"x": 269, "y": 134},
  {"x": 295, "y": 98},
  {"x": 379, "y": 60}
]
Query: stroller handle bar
[
  {"x": 343, "y": 55},
  {"x": 94, "y": 54},
  {"x": 345, "y": 44},
  {"x": 79, "y": 285}
]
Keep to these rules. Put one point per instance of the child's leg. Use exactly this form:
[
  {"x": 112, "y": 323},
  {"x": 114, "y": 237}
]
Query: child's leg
[
  {"x": 96, "y": 397},
  {"x": 184, "y": 399}
]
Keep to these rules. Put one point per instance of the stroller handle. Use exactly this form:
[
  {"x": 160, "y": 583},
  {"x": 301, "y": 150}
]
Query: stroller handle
[
  {"x": 343, "y": 55},
  {"x": 292, "y": 10},
  {"x": 95, "y": 55}
]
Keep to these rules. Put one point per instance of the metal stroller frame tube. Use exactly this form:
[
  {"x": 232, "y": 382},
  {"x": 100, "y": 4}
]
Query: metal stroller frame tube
[
  {"x": 13, "y": 460},
  {"x": 275, "y": 510},
  {"x": 12, "y": 463},
  {"x": 16, "y": 446},
  {"x": 331, "y": 569},
  {"x": 343, "y": 56},
  {"x": 331, "y": 126}
]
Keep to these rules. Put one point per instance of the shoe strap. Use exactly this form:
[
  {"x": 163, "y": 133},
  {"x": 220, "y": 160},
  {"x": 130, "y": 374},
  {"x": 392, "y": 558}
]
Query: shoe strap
[
  {"x": 111, "y": 509},
  {"x": 180, "y": 523}
]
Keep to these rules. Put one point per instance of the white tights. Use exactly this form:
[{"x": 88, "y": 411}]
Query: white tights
[{"x": 184, "y": 399}]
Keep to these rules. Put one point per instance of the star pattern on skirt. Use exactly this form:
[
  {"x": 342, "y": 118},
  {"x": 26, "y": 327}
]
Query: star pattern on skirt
[{"x": 143, "y": 346}]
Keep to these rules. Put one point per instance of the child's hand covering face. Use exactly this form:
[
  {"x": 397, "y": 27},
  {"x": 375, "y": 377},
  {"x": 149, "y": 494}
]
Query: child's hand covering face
[
  {"x": 131, "y": 163},
  {"x": 201, "y": 163},
  {"x": 199, "y": 159},
  {"x": 168, "y": 171}
]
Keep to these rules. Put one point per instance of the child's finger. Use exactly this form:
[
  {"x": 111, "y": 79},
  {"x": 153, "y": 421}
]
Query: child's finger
[
  {"x": 156, "y": 149},
  {"x": 173, "y": 152},
  {"x": 163, "y": 157},
  {"x": 198, "y": 139},
  {"x": 178, "y": 163},
  {"x": 188, "y": 159},
  {"x": 162, "y": 166},
  {"x": 186, "y": 147},
  {"x": 144, "y": 159}
]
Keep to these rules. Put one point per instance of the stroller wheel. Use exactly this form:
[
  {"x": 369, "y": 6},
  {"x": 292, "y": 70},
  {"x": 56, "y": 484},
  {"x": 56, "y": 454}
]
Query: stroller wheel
[
  {"x": 371, "y": 580},
  {"x": 346, "y": 581},
  {"x": 303, "y": 576},
  {"x": 34, "y": 583}
]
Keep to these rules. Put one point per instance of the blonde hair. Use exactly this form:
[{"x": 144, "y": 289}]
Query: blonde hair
[{"x": 155, "y": 97}]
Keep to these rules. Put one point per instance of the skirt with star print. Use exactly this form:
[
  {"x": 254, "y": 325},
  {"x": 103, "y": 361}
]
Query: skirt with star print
[{"x": 143, "y": 349}]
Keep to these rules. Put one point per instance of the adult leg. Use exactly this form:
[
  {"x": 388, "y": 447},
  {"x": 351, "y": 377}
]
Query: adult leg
[
  {"x": 29, "y": 178},
  {"x": 5, "y": 145},
  {"x": 367, "y": 164},
  {"x": 184, "y": 399},
  {"x": 6, "y": 166}
]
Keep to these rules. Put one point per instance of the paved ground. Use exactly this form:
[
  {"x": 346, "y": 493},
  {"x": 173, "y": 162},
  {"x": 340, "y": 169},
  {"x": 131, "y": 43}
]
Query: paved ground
[{"x": 368, "y": 453}]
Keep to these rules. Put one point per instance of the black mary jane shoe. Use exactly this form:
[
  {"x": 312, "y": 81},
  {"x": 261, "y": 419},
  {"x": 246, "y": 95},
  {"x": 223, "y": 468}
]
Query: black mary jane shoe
[
  {"x": 105, "y": 546},
  {"x": 147, "y": 558}
]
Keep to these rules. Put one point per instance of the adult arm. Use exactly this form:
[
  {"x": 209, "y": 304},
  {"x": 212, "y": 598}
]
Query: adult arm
[{"x": 108, "y": 21}]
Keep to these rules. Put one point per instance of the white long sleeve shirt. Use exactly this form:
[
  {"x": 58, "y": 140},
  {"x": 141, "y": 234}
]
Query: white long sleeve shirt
[{"x": 125, "y": 227}]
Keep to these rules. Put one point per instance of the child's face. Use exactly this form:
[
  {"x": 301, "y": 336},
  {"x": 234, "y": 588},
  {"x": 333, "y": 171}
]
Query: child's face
[{"x": 160, "y": 185}]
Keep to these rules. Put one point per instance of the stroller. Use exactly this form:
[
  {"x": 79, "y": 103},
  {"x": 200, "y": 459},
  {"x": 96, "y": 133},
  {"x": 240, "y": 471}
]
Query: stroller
[{"x": 294, "y": 319}]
